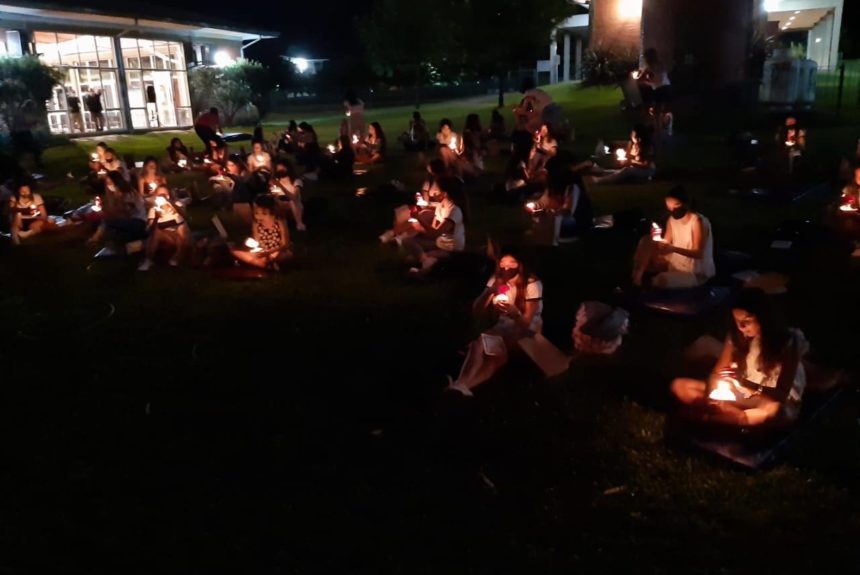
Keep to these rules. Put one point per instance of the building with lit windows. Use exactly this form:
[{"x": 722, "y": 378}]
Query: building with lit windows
[{"x": 138, "y": 65}]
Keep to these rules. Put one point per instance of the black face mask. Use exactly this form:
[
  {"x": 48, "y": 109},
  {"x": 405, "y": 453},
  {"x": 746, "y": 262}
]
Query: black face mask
[
  {"x": 281, "y": 174},
  {"x": 679, "y": 212},
  {"x": 508, "y": 274}
]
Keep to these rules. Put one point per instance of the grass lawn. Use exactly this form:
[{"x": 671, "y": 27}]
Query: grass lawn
[{"x": 176, "y": 421}]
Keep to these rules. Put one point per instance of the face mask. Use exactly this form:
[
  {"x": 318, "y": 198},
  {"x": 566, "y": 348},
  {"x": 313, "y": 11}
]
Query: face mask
[
  {"x": 679, "y": 212},
  {"x": 508, "y": 274},
  {"x": 281, "y": 174}
]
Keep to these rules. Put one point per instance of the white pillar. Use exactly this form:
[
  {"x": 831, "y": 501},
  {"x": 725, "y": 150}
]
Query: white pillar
[
  {"x": 578, "y": 68},
  {"x": 835, "y": 25},
  {"x": 566, "y": 62},
  {"x": 553, "y": 62}
]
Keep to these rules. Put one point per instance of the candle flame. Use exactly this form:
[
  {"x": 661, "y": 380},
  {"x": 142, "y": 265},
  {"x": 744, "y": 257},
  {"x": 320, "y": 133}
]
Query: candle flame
[
  {"x": 412, "y": 221},
  {"x": 253, "y": 245},
  {"x": 94, "y": 157},
  {"x": 501, "y": 298},
  {"x": 331, "y": 148},
  {"x": 160, "y": 201},
  {"x": 621, "y": 154},
  {"x": 531, "y": 206},
  {"x": 453, "y": 143},
  {"x": 723, "y": 391},
  {"x": 182, "y": 163}
]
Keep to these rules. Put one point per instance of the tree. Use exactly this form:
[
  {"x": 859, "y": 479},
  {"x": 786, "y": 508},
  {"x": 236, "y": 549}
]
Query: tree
[
  {"x": 24, "y": 83},
  {"x": 503, "y": 34},
  {"x": 231, "y": 88},
  {"x": 403, "y": 40}
]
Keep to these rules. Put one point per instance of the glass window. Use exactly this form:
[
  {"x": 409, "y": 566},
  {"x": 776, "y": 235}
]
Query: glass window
[
  {"x": 180, "y": 89},
  {"x": 130, "y": 56},
  {"x": 161, "y": 56},
  {"x": 104, "y": 45},
  {"x": 134, "y": 84},
  {"x": 183, "y": 117},
  {"x": 138, "y": 119},
  {"x": 46, "y": 47},
  {"x": 67, "y": 45},
  {"x": 146, "y": 53},
  {"x": 87, "y": 51},
  {"x": 177, "y": 56}
]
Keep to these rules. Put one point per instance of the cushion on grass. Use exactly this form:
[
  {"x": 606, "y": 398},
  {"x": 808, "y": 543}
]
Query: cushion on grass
[{"x": 690, "y": 302}]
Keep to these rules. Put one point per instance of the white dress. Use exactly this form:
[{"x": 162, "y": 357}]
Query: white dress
[{"x": 682, "y": 237}]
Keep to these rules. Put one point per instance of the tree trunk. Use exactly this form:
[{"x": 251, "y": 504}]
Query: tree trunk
[{"x": 501, "y": 90}]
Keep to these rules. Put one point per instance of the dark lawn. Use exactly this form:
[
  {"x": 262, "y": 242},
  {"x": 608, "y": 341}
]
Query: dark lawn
[{"x": 297, "y": 424}]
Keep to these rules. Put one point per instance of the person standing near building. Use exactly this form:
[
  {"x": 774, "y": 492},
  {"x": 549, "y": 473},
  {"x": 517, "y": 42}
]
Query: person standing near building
[
  {"x": 76, "y": 121},
  {"x": 95, "y": 108},
  {"x": 208, "y": 128}
]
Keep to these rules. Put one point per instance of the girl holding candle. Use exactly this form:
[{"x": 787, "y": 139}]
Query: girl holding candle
[
  {"x": 638, "y": 161},
  {"x": 373, "y": 148},
  {"x": 445, "y": 233},
  {"x": 473, "y": 143},
  {"x": 287, "y": 187},
  {"x": 450, "y": 146},
  {"x": 259, "y": 159},
  {"x": 150, "y": 178},
  {"x": 124, "y": 211},
  {"x": 27, "y": 214},
  {"x": 545, "y": 147},
  {"x": 515, "y": 297},
  {"x": 759, "y": 377},
  {"x": 178, "y": 157},
  {"x": 271, "y": 234},
  {"x": 167, "y": 227},
  {"x": 684, "y": 257}
]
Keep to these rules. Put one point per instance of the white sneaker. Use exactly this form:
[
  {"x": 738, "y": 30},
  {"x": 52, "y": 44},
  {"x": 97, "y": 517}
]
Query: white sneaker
[
  {"x": 144, "y": 267},
  {"x": 174, "y": 262},
  {"x": 460, "y": 388}
]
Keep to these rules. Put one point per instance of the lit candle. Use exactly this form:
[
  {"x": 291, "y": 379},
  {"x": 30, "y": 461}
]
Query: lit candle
[
  {"x": 502, "y": 296},
  {"x": 152, "y": 186},
  {"x": 723, "y": 391},
  {"x": 355, "y": 138},
  {"x": 453, "y": 143},
  {"x": 606, "y": 150},
  {"x": 412, "y": 221},
  {"x": 331, "y": 148},
  {"x": 621, "y": 154},
  {"x": 102, "y": 172},
  {"x": 207, "y": 161},
  {"x": 349, "y": 113},
  {"x": 656, "y": 232},
  {"x": 94, "y": 157},
  {"x": 160, "y": 202},
  {"x": 259, "y": 158},
  {"x": 253, "y": 245},
  {"x": 636, "y": 74},
  {"x": 182, "y": 163}
]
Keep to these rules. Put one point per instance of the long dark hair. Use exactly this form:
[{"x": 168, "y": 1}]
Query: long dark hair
[
  {"x": 380, "y": 135},
  {"x": 288, "y": 165},
  {"x": 473, "y": 123},
  {"x": 524, "y": 278},
  {"x": 774, "y": 331},
  {"x": 121, "y": 183}
]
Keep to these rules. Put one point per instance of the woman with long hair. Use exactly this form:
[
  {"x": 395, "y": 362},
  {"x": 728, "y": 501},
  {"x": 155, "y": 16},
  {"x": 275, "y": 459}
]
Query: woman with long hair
[{"x": 759, "y": 378}]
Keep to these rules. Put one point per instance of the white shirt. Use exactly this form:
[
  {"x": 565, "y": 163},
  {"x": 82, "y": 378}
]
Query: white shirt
[
  {"x": 450, "y": 211},
  {"x": 682, "y": 237},
  {"x": 752, "y": 372},
  {"x": 534, "y": 293},
  {"x": 166, "y": 214}
]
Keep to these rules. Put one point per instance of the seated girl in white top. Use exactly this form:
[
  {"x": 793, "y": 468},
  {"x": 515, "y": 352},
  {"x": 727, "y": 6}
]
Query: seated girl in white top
[
  {"x": 259, "y": 159},
  {"x": 271, "y": 237},
  {"x": 684, "y": 256},
  {"x": 27, "y": 214},
  {"x": 446, "y": 232},
  {"x": 167, "y": 226},
  {"x": 759, "y": 377},
  {"x": 515, "y": 297},
  {"x": 287, "y": 188}
]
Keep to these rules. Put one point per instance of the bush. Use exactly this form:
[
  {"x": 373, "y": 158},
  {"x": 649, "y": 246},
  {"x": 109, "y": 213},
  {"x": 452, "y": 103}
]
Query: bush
[
  {"x": 603, "y": 67},
  {"x": 25, "y": 84},
  {"x": 233, "y": 89}
]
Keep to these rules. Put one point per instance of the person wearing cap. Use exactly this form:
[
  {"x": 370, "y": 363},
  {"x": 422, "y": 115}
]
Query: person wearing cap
[{"x": 515, "y": 298}]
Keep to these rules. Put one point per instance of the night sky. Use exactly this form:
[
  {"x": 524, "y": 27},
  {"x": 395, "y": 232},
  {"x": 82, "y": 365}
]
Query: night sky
[{"x": 308, "y": 28}]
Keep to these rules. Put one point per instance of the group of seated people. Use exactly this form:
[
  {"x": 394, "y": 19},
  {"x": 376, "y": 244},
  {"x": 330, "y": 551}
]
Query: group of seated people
[{"x": 758, "y": 379}]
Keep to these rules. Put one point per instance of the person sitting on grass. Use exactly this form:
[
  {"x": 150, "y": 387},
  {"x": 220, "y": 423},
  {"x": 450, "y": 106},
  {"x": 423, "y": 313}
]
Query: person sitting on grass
[
  {"x": 340, "y": 164},
  {"x": 241, "y": 192},
  {"x": 446, "y": 232},
  {"x": 497, "y": 129},
  {"x": 515, "y": 298},
  {"x": 178, "y": 156},
  {"x": 430, "y": 187},
  {"x": 851, "y": 191},
  {"x": 372, "y": 149},
  {"x": 684, "y": 256},
  {"x": 216, "y": 159},
  {"x": 308, "y": 151},
  {"x": 286, "y": 187},
  {"x": 759, "y": 378},
  {"x": 473, "y": 143},
  {"x": 450, "y": 146},
  {"x": 166, "y": 226},
  {"x": 124, "y": 218},
  {"x": 565, "y": 204},
  {"x": 149, "y": 179},
  {"x": 111, "y": 163},
  {"x": 271, "y": 235},
  {"x": 259, "y": 160},
  {"x": 27, "y": 214},
  {"x": 545, "y": 147},
  {"x": 639, "y": 165},
  {"x": 417, "y": 138}
]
